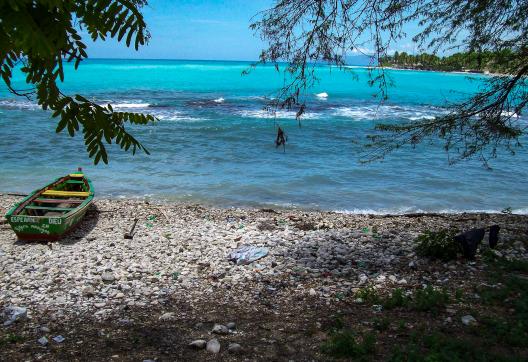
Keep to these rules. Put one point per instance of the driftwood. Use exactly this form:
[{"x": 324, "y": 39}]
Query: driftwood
[{"x": 130, "y": 235}]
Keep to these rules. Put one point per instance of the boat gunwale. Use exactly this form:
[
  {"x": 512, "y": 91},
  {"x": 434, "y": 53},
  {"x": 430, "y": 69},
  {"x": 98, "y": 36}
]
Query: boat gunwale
[{"x": 17, "y": 208}]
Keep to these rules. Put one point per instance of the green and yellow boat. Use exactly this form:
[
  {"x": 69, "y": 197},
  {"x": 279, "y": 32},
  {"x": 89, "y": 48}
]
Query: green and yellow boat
[{"x": 51, "y": 212}]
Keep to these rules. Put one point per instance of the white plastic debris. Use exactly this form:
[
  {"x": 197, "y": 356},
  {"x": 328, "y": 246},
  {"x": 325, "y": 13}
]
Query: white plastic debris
[
  {"x": 59, "y": 339},
  {"x": 468, "y": 320},
  {"x": 13, "y": 313},
  {"x": 43, "y": 341},
  {"x": 247, "y": 254}
]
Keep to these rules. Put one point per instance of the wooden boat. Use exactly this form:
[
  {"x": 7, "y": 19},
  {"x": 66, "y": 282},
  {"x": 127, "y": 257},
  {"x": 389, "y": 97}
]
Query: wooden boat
[{"x": 49, "y": 213}]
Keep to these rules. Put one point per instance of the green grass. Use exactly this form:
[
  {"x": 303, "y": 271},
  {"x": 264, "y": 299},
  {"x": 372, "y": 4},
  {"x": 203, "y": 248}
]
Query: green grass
[
  {"x": 430, "y": 299},
  {"x": 11, "y": 338},
  {"x": 347, "y": 344},
  {"x": 427, "y": 299},
  {"x": 501, "y": 311},
  {"x": 369, "y": 295},
  {"x": 437, "y": 245},
  {"x": 381, "y": 324},
  {"x": 439, "y": 347},
  {"x": 398, "y": 298}
]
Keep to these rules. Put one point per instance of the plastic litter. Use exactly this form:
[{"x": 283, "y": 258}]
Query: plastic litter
[
  {"x": 247, "y": 254},
  {"x": 59, "y": 339},
  {"x": 43, "y": 341},
  {"x": 14, "y": 313}
]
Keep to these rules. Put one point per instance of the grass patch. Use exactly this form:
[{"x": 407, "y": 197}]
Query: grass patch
[
  {"x": 437, "y": 245},
  {"x": 398, "y": 298},
  {"x": 439, "y": 347},
  {"x": 347, "y": 344},
  {"x": 510, "y": 291},
  {"x": 369, "y": 295},
  {"x": 11, "y": 338},
  {"x": 381, "y": 324},
  {"x": 430, "y": 299}
]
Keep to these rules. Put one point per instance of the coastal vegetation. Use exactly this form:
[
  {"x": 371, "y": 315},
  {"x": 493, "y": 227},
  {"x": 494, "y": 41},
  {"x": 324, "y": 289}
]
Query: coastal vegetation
[
  {"x": 476, "y": 62},
  {"x": 38, "y": 36}
]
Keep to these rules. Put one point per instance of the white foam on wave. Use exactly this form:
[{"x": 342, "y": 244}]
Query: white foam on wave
[
  {"x": 19, "y": 104},
  {"x": 264, "y": 114},
  {"x": 373, "y": 112},
  {"x": 411, "y": 210},
  {"x": 219, "y": 100},
  {"x": 130, "y": 105},
  {"x": 322, "y": 95},
  {"x": 174, "y": 115}
]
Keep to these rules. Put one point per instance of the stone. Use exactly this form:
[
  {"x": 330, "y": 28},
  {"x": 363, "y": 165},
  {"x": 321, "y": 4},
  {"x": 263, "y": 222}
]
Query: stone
[
  {"x": 213, "y": 346},
  {"x": 234, "y": 348},
  {"x": 108, "y": 277},
  {"x": 468, "y": 320},
  {"x": 362, "y": 279},
  {"x": 88, "y": 291},
  {"x": 231, "y": 326},
  {"x": 198, "y": 344},
  {"x": 220, "y": 329},
  {"x": 44, "y": 329},
  {"x": 412, "y": 264},
  {"x": 381, "y": 278},
  {"x": 169, "y": 316},
  {"x": 43, "y": 341},
  {"x": 312, "y": 292}
]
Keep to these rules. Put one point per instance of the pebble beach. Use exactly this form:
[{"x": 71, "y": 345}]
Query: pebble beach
[{"x": 179, "y": 253}]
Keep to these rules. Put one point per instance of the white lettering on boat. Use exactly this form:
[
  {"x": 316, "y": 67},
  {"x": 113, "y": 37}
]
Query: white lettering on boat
[
  {"x": 55, "y": 221},
  {"x": 27, "y": 219}
]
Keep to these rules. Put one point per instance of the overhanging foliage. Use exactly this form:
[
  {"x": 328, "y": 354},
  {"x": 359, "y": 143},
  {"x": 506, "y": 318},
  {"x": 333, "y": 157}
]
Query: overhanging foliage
[{"x": 40, "y": 35}]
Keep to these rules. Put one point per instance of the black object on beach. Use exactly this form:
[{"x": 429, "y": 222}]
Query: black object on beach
[
  {"x": 493, "y": 236},
  {"x": 281, "y": 139},
  {"x": 130, "y": 235},
  {"x": 470, "y": 241}
]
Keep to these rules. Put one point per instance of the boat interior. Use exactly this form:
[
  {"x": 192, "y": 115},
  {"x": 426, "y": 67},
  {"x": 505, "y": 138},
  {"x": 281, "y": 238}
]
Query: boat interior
[{"x": 57, "y": 199}]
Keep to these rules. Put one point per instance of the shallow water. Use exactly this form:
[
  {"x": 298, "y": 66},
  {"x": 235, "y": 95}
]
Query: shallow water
[{"x": 215, "y": 143}]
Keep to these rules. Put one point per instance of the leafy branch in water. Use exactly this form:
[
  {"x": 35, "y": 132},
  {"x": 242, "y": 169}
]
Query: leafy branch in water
[{"x": 39, "y": 36}]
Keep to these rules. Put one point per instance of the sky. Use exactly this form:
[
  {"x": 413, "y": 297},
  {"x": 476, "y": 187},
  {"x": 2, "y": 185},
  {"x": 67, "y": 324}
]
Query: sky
[{"x": 197, "y": 30}]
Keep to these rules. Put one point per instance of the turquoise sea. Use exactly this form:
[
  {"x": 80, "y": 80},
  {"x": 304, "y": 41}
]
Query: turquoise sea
[{"x": 214, "y": 143}]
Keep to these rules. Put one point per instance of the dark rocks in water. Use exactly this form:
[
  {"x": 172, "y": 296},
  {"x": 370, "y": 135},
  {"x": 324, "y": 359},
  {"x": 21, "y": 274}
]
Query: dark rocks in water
[
  {"x": 494, "y": 236},
  {"x": 470, "y": 241}
]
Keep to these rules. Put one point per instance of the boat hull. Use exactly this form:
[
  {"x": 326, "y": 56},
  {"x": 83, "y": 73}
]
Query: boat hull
[
  {"x": 52, "y": 222},
  {"x": 44, "y": 228}
]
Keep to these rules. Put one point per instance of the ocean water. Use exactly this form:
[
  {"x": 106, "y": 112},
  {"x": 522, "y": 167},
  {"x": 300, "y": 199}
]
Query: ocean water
[{"x": 214, "y": 143}]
